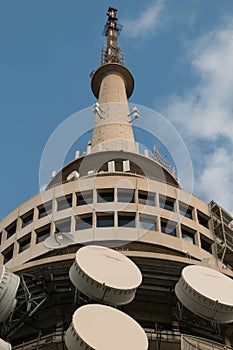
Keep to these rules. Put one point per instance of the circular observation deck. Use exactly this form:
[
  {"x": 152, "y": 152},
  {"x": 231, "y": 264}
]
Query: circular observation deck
[
  {"x": 158, "y": 225},
  {"x": 116, "y": 207}
]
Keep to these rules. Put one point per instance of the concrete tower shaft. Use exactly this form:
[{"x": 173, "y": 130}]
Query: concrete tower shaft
[{"x": 112, "y": 84}]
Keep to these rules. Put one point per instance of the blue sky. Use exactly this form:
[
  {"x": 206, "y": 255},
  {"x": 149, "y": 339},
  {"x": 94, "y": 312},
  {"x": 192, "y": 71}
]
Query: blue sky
[{"x": 180, "y": 53}]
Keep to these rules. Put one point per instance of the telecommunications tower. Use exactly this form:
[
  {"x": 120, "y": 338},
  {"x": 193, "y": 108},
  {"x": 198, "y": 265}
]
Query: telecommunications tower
[{"x": 114, "y": 254}]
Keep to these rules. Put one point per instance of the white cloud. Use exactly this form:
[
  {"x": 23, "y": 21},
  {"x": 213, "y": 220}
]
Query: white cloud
[
  {"x": 205, "y": 113},
  {"x": 148, "y": 21},
  {"x": 217, "y": 178}
]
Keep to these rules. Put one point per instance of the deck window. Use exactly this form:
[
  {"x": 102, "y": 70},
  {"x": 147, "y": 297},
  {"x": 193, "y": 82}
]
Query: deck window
[
  {"x": 24, "y": 243},
  {"x": 126, "y": 220},
  {"x": 166, "y": 203},
  {"x": 206, "y": 244},
  {"x": 44, "y": 209},
  {"x": 147, "y": 198},
  {"x": 64, "y": 202},
  {"x": 27, "y": 218},
  {"x": 148, "y": 222},
  {"x": 83, "y": 222},
  {"x": 168, "y": 227},
  {"x": 105, "y": 220},
  {"x": 203, "y": 219},
  {"x": 185, "y": 210},
  {"x": 106, "y": 195},
  {"x": 8, "y": 253},
  {"x": 187, "y": 234},
  {"x": 84, "y": 198},
  {"x": 11, "y": 229},
  {"x": 125, "y": 195},
  {"x": 63, "y": 225},
  {"x": 42, "y": 233}
]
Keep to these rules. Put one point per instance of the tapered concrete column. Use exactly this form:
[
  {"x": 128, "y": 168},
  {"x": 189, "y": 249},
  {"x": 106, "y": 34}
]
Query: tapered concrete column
[{"x": 112, "y": 84}]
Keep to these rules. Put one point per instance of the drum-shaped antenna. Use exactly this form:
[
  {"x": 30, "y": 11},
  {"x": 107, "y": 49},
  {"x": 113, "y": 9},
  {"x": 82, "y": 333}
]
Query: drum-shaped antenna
[
  {"x": 9, "y": 283},
  {"x": 103, "y": 327},
  {"x": 4, "y": 345},
  {"x": 207, "y": 293},
  {"x": 105, "y": 275}
]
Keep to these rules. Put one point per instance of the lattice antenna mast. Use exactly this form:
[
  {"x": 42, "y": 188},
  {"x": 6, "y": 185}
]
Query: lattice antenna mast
[{"x": 112, "y": 53}]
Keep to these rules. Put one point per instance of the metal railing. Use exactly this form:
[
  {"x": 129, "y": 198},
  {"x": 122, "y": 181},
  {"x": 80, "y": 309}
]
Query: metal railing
[
  {"x": 41, "y": 341},
  {"x": 189, "y": 342}
]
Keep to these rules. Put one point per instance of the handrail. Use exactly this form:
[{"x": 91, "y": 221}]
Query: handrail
[
  {"x": 189, "y": 342},
  {"x": 54, "y": 337}
]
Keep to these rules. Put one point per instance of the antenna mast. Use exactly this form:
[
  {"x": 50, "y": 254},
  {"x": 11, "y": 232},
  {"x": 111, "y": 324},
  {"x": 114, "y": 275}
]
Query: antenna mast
[{"x": 112, "y": 53}]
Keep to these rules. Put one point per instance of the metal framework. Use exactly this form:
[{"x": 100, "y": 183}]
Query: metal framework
[
  {"x": 222, "y": 223},
  {"x": 30, "y": 297},
  {"x": 159, "y": 157},
  {"x": 112, "y": 52},
  {"x": 54, "y": 340},
  {"x": 189, "y": 342},
  {"x": 189, "y": 321}
]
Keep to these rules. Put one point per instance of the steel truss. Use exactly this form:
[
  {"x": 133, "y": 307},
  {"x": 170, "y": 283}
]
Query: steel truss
[{"x": 30, "y": 297}]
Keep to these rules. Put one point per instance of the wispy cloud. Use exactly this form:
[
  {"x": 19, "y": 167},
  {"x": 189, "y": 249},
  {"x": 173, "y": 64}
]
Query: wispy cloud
[
  {"x": 148, "y": 21},
  {"x": 217, "y": 177},
  {"x": 205, "y": 112},
  {"x": 210, "y": 103}
]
